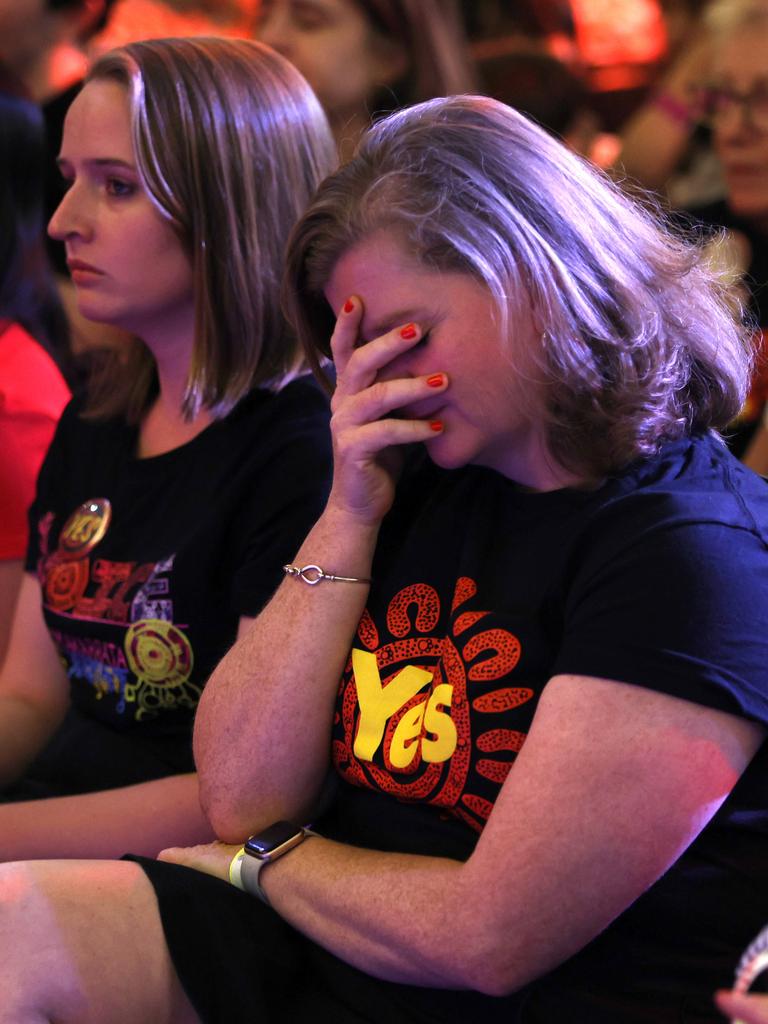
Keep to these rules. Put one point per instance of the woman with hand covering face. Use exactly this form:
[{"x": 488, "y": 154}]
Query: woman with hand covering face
[{"x": 526, "y": 637}]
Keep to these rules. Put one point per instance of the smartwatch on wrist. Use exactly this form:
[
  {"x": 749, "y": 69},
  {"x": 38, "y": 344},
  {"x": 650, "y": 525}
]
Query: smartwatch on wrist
[{"x": 261, "y": 849}]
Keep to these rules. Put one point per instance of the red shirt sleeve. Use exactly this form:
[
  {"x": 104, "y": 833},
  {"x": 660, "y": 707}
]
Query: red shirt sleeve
[{"x": 32, "y": 397}]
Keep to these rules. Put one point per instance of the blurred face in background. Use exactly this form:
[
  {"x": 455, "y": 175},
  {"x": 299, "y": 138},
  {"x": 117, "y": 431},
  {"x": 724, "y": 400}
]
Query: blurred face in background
[
  {"x": 26, "y": 29},
  {"x": 740, "y": 119},
  {"x": 335, "y": 47}
]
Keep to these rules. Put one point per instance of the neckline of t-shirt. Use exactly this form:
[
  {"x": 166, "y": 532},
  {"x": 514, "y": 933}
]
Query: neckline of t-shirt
[
  {"x": 207, "y": 436},
  {"x": 174, "y": 454},
  {"x": 541, "y": 499}
]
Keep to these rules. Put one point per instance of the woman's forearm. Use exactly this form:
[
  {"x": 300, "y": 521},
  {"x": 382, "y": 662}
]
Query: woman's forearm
[
  {"x": 25, "y": 727},
  {"x": 655, "y": 137},
  {"x": 562, "y": 854},
  {"x": 262, "y": 732},
  {"x": 138, "y": 819},
  {"x": 263, "y": 728},
  {"x": 34, "y": 689},
  {"x": 395, "y": 916}
]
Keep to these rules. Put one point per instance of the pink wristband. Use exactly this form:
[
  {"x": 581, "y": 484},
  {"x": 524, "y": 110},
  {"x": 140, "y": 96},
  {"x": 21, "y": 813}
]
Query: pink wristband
[{"x": 675, "y": 109}]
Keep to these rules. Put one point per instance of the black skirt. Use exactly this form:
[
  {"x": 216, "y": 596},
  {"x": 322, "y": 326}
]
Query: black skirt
[{"x": 238, "y": 960}]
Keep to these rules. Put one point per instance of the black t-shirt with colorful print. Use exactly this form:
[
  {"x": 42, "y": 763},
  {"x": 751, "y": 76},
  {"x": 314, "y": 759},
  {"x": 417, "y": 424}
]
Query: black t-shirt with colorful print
[
  {"x": 482, "y": 592},
  {"x": 147, "y": 564}
]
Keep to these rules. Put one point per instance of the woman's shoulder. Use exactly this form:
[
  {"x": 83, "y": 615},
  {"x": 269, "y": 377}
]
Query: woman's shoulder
[
  {"x": 693, "y": 488},
  {"x": 288, "y": 428},
  {"x": 299, "y": 407},
  {"x": 88, "y": 439},
  {"x": 302, "y": 397}
]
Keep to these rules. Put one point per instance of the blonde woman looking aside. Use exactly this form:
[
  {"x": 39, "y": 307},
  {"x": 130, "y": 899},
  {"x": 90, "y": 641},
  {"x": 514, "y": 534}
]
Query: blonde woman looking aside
[{"x": 171, "y": 498}]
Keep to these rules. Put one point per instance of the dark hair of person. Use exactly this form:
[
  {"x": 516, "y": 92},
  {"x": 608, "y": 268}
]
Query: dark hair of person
[
  {"x": 431, "y": 32},
  {"x": 28, "y": 293},
  {"x": 539, "y": 86},
  {"x": 93, "y": 25}
]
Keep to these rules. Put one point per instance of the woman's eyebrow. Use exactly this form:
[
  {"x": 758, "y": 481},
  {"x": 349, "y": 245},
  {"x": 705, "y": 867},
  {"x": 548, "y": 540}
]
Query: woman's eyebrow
[{"x": 101, "y": 161}]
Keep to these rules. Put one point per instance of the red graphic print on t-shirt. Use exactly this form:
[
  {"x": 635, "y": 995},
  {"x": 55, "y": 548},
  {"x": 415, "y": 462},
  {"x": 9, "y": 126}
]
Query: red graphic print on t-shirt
[{"x": 431, "y": 717}]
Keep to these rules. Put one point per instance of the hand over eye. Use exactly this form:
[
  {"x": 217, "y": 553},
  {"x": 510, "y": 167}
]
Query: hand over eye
[{"x": 376, "y": 409}]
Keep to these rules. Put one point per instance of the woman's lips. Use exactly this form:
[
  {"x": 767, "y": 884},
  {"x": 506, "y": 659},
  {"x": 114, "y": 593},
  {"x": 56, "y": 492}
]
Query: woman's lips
[{"x": 83, "y": 273}]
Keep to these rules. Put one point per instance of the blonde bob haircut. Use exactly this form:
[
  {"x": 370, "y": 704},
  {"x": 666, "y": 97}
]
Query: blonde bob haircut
[
  {"x": 637, "y": 341},
  {"x": 230, "y": 143}
]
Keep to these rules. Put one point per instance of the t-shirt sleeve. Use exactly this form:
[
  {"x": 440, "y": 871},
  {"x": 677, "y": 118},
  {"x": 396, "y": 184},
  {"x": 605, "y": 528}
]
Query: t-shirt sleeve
[
  {"x": 682, "y": 610},
  {"x": 287, "y": 497}
]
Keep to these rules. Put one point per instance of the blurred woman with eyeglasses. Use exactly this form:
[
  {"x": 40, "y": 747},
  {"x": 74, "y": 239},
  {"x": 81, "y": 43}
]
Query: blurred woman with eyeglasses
[{"x": 735, "y": 104}]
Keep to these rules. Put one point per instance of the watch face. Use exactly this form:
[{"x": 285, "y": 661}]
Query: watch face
[{"x": 275, "y": 840}]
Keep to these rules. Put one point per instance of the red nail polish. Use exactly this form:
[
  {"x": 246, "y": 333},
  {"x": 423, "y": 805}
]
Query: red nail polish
[
  {"x": 436, "y": 425},
  {"x": 408, "y": 332},
  {"x": 436, "y": 380},
  {"x": 349, "y": 306}
]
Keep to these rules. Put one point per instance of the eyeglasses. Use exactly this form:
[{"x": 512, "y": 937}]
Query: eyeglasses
[{"x": 718, "y": 103}]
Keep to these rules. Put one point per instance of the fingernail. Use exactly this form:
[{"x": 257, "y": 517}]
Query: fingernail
[
  {"x": 436, "y": 425},
  {"x": 408, "y": 332},
  {"x": 435, "y": 381},
  {"x": 349, "y": 306}
]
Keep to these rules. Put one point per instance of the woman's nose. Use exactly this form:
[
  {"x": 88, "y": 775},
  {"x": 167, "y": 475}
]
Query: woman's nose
[
  {"x": 275, "y": 31},
  {"x": 67, "y": 219}
]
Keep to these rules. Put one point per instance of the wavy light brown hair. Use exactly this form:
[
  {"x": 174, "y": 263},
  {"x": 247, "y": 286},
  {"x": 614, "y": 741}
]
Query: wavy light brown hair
[
  {"x": 638, "y": 341},
  {"x": 230, "y": 144}
]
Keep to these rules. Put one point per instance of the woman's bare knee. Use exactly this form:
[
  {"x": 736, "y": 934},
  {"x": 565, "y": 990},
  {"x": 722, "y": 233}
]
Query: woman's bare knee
[{"x": 81, "y": 941}]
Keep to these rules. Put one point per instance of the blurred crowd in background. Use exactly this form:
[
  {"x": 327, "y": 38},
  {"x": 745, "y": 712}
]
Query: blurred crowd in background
[{"x": 668, "y": 96}]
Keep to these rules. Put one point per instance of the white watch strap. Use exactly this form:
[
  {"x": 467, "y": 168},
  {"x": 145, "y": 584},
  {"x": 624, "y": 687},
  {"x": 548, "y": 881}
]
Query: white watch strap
[
  {"x": 250, "y": 869},
  {"x": 244, "y": 871},
  {"x": 236, "y": 869}
]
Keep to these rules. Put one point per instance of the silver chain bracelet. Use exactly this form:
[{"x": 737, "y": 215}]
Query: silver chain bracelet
[{"x": 313, "y": 574}]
